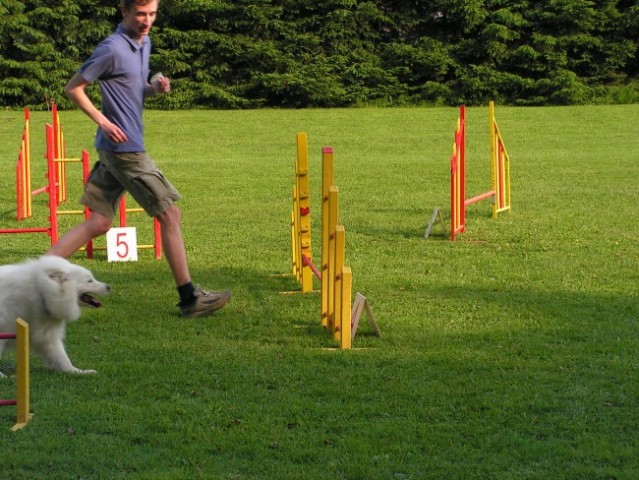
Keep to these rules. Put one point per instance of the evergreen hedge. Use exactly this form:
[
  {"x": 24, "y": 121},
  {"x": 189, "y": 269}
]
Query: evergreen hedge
[{"x": 333, "y": 53}]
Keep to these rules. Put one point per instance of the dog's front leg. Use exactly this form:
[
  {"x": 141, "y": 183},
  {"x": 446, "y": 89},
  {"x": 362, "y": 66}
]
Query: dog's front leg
[{"x": 55, "y": 356}]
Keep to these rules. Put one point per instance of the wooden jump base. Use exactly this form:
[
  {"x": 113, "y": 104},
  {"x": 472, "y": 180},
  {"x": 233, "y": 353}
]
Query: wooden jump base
[
  {"x": 22, "y": 373},
  {"x": 499, "y": 168}
]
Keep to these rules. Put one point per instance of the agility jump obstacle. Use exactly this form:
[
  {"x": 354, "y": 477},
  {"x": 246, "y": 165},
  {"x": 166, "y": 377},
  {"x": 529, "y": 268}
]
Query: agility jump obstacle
[
  {"x": 338, "y": 317},
  {"x": 499, "y": 169},
  {"x": 56, "y": 187},
  {"x": 22, "y": 373},
  {"x": 23, "y": 185},
  {"x": 24, "y": 190}
]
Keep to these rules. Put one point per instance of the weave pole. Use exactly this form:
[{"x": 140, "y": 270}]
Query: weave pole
[
  {"x": 346, "y": 332},
  {"x": 328, "y": 172},
  {"x": 336, "y": 283},
  {"x": 328, "y": 276},
  {"x": 303, "y": 267},
  {"x": 22, "y": 372}
]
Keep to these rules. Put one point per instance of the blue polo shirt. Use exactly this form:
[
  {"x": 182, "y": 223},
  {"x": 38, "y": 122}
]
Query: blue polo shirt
[{"x": 121, "y": 66}]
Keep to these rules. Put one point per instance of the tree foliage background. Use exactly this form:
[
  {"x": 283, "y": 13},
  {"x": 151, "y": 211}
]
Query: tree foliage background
[{"x": 329, "y": 53}]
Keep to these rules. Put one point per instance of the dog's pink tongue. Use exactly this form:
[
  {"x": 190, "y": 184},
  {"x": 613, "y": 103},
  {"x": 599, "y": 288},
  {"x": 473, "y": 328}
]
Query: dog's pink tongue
[{"x": 88, "y": 301}]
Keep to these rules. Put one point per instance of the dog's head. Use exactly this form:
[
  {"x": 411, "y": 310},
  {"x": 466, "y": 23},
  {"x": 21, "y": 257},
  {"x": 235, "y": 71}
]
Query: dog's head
[
  {"x": 70, "y": 283},
  {"x": 87, "y": 286}
]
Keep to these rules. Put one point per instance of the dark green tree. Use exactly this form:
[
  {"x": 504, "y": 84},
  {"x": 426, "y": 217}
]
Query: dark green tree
[
  {"x": 303, "y": 53},
  {"x": 41, "y": 44}
]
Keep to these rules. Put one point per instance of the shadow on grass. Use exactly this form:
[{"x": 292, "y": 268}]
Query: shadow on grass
[
  {"x": 264, "y": 303},
  {"x": 559, "y": 304}
]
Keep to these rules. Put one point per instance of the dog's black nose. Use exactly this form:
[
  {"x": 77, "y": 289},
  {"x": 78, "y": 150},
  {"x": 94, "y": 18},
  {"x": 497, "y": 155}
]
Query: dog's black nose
[{"x": 108, "y": 287}]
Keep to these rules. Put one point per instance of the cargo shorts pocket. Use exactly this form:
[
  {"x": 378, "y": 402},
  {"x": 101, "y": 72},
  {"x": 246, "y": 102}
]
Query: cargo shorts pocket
[{"x": 153, "y": 192}]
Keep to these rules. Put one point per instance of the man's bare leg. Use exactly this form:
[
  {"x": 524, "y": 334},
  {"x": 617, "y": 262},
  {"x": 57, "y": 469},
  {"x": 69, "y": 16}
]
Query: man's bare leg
[
  {"x": 76, "y": 238},
  {"x": 194, "y": 301},
  {"x": 173, "y": 244}
]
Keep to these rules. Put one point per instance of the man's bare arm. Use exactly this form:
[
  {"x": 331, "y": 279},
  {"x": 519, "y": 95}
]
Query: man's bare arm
[{"x": 75, "y": 90}]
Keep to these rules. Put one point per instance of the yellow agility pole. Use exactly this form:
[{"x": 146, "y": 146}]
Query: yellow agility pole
[
  {"x": 26, "y": 168},
  {"x": 295, "y": 254},
  {"x": 23, "y": 172},
  {"x": 22, "y": 372},
  {"x": 327, "y": 183},
  {"x": 500, "y": 165},
  {"x": 328, "y": 283},
  {"x": 303, "y": 214},
  {"x": 301, "y": 252},
  {"x": 346, "y": 337},
  {"x": 59, "y": 155},
  {"x": 22, "y": 354},
  {"x": 27, "y": 156},
  {"x": 336, "y": 280},
  {"x": 21, "y": 191}
]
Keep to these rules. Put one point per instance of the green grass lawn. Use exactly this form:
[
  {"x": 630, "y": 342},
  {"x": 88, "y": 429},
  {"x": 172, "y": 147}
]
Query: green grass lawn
[{"x": 508, "y": 354}]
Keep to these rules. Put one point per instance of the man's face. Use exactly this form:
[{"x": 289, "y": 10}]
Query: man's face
[{"x": 139, "y": 18}]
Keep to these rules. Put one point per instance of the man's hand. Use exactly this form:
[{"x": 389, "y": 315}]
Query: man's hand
[
  {"x": 113, "y": 132},
  {"x": 161, "y": 84}
]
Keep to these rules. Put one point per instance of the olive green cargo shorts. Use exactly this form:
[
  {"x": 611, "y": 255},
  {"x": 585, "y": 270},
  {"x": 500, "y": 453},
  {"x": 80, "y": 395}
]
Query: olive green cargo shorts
[{"x": 134, "y": 172}]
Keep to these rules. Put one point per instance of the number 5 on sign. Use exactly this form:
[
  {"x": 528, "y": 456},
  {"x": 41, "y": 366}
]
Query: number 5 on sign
[{"x": 122, "y": 245}]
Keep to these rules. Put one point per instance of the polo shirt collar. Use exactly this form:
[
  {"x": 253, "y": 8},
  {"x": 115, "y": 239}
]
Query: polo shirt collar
[{"x": 134, "y": 44}]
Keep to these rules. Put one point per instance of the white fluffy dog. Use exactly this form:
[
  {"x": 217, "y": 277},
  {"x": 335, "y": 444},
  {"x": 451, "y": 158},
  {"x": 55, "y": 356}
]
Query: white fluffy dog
[{"x": 46, "y": 293}]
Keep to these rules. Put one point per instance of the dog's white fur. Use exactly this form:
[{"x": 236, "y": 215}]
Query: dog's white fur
[{"x": 47, "y": 293}]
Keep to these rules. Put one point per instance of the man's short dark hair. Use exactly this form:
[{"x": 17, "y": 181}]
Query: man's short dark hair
[{"x": 127, "y": 4}]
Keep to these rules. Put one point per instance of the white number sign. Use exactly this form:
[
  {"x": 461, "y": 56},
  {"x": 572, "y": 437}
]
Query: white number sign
[{"x": 122, "y": 245}]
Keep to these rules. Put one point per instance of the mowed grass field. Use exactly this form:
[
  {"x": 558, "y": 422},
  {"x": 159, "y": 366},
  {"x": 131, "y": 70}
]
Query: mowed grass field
[{"x": 508, "y": 354}]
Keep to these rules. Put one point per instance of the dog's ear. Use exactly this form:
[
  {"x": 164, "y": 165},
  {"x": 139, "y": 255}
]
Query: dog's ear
[{"x": 57, "y": 276}]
